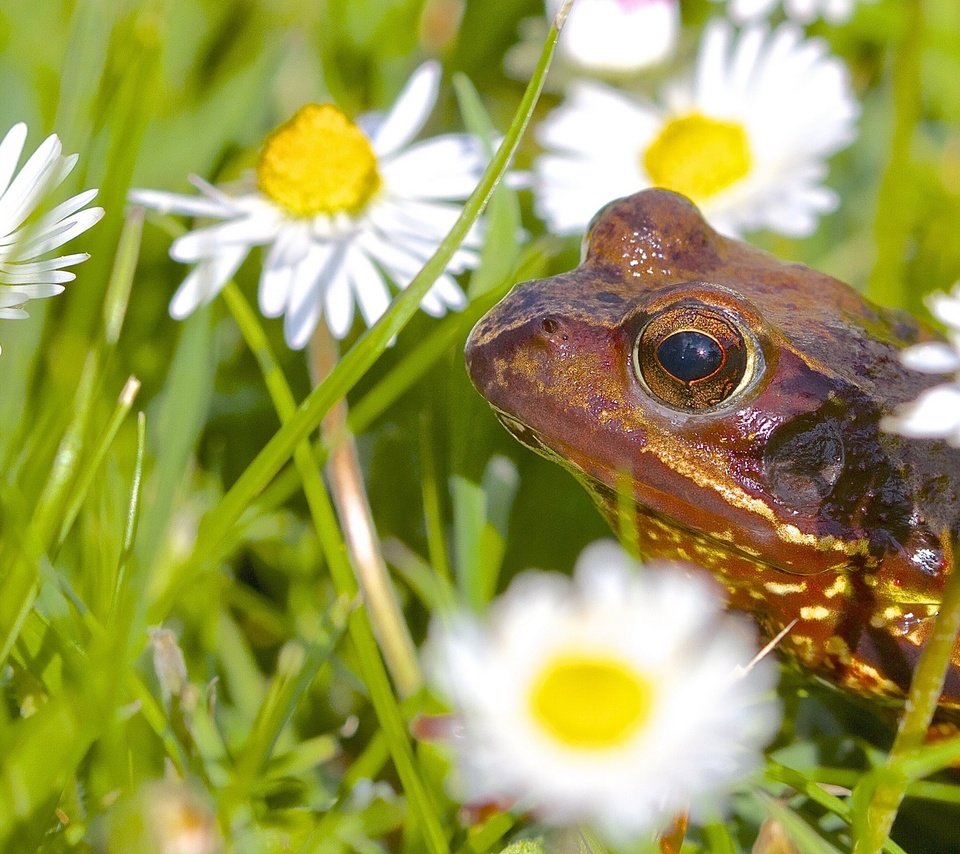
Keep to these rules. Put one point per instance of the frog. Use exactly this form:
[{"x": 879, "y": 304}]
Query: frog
[{"x": 723, "y": 407}]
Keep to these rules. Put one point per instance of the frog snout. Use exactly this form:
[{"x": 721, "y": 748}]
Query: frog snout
[{"x": 502, "y": 359}]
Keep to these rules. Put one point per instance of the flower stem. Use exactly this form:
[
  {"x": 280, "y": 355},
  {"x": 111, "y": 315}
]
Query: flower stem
[
  {"x": 360, "y": 533},
  {"x": 896, "y": 212},
  {"x": 889, "y": 783}
]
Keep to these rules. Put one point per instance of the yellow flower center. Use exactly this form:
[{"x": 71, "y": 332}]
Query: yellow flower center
[
  {"x": 318, "y": 162},
  {"x": 698, "y": 156},
  {"x": 590, "y": 702}
]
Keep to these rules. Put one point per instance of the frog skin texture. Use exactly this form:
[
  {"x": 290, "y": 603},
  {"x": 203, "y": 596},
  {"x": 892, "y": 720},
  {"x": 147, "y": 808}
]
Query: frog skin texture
[{"x": 762, "y": 459}]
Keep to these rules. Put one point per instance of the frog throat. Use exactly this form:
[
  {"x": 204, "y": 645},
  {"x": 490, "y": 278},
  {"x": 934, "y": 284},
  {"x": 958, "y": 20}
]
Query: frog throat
[
  {"x": 318, "y": 162},
  {"x": 698, "y": 156}
]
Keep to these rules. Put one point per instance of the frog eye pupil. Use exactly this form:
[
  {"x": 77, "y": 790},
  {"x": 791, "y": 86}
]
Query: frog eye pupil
[{"x": 690, "y": 355}]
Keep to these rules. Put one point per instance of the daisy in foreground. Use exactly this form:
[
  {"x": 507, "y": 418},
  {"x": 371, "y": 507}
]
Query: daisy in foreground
[
  {"x": 935, "y": 414},
  {"x": 27, "y": 231},
  {"x": 615, "y": 699},
  {"x": 801, "y": 11},
  {"x": 746, "y": 140},
  {"x": 342, "y": 208}
]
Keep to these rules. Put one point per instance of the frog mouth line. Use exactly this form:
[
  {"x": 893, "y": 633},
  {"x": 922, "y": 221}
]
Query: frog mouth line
[{"x": 603, "y": 493}]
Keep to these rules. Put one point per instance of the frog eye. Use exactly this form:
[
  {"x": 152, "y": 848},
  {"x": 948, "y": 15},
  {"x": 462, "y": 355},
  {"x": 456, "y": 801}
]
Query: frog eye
[{"x": 692, "y": 358}]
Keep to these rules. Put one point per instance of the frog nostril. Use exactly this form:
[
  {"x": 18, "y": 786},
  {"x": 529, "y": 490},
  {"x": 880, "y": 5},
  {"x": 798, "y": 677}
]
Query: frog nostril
[{"x": 549, "y": 325}]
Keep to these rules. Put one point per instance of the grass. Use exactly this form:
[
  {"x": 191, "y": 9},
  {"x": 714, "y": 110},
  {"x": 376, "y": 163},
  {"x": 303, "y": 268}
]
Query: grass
[{"x": 191, "y": 499}]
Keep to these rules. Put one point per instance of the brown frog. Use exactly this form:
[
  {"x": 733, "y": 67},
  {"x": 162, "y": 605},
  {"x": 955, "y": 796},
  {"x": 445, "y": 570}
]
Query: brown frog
[{"x": 735, "y": 400}]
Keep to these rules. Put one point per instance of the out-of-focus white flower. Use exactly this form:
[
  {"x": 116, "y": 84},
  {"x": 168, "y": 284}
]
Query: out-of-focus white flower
[
  {"x": 343, "y": 208},
  {"x": 165, "y": 817},
  {"x": 801, "y": 11},
  {"x": 604, "y": 38},
  {"x": 746, "y": 140},
  {"x": 935, "y": 414},
  {"x": 618, "y": 36},
  {"x": 27, "y": 230},
  {"x": 614, "y": 699}
]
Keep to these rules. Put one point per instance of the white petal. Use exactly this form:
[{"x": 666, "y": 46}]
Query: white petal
[
  {"x": 10, "y": 150},
  {"x": 252, "y": 230},
  {"x": 177, "y": 203},
  {"x": 609, "y": 36},
  {"x": 206, "y": 280},
  {"x": 933, "y": 357},
  {"x": 410, "y": 111},
  {"x": 934, "y": 414},
  {"x": 445, "y": 167},
  {"x": 946, "y": 308},
  {"x": 50, "y": 276},
  {"x": 318, "y": 271},
  {"x": 368, "y": 286},
  {"x": 34, "y": 290},
  {"x": 56, "y": 236},
  {"x": 45, "y": 265},
  {"x": 30, "y": 183},
  {"x": 338, "y": 303}
]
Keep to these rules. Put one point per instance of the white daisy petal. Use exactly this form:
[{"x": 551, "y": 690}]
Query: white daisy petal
[
  {"x": 29, "y": 227},
  {"x": 612, "y": 37},
  {"x": 528, "y": 729},
  {"x": 206, "y": 280},
  {"x": 44, "y": 266},
  {"x": 31, "y": 182},
  {"x": 10, "y": 150},
  {"x": 368, "y": 285},
  {"x": 409, "y": 114},
  {"x": 934, "y": 414},
  {"x": 55, "y": 236},
  {"x": 338, "y": 303},
  {"x": 320, "y": 270},
  {"x": 175, "y": 203},
  {"x": 36, "y": 290},
  {"x": 931, "y": 357},
  {"x": 205, "y": 242}
]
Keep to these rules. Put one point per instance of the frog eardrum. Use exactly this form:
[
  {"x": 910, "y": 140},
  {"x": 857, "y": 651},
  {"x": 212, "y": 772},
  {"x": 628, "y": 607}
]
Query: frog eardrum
[{"x": 738, "y": 399}]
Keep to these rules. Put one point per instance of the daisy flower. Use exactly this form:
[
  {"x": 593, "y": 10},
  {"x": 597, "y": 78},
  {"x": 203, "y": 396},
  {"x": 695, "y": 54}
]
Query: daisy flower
[
  {"x": 604, "y": 38},
  {"x": 935, "y": 414},
  {"x": 746, "y": 139},
  {"x": 801, "y": 11},
  {"x": 618, "y": 36},
  {"x": 614, "y": 699},
  {"x": 27, "y": 231},
  {"x": 340, "y": 207}
]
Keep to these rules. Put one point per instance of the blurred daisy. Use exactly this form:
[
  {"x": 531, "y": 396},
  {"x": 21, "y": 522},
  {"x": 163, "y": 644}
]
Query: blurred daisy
[
  {"x": 607, "y": 38},
  {"x": 746, "y": 140},
  {"x": 618, "y": 36},
  {"x": 801, "y": 11},
  {"x": 342, "y": 207},
  {"x": 614, "y": 699},
  {"x": 935, "y": 414},
  {"x": 27, "y": 231}
]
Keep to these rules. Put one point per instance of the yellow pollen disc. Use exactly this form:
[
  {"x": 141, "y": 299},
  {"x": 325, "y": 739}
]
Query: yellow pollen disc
[
  {"x": 697, "y": 156},
  {"x": 318, "y": 162},
  {"x": 590, "y": 702}
]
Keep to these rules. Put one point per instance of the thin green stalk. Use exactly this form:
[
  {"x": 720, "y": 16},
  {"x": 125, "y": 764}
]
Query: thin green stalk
[
  {"x": 879, "y": 794},
  {"x": 374, "y": 341},
  {"x": 361, "y": 634},
  {"x": 895, "y": 215}
]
